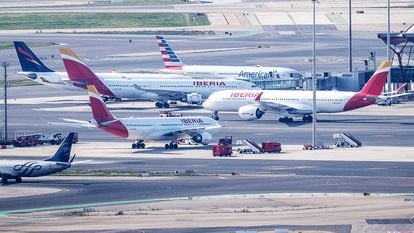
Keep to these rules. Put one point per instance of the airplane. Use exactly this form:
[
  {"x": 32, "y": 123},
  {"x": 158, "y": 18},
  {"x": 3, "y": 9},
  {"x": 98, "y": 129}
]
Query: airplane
[
  {"x": 34, "y": 69},
  {"x": 174, "y": 65},
  {"x": 191, "y": 91},
  {"x": 197, "y": 128},
  {"x": 388, "y": 98},
  {"x": 253, "y": 104},
  {"x": 16, "y": 169}
]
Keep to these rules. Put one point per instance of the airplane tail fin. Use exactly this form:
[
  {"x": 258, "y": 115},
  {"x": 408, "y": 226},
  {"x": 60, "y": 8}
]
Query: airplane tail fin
[
  {"x": 63, "y": 153},
  {"x": 100, "y": 112},
  {"x": 80, "y": 74},
  {"x": 170, "y": 59},
  {"x": 401, "y": 88},
  {"x": 28, "y": 60},
  {"x": 376, "y": 83},
  {"x": 106, "y": 121}
]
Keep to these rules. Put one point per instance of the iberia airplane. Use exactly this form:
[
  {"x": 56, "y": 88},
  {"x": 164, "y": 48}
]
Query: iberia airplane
[{"x": 252, "y": 104}]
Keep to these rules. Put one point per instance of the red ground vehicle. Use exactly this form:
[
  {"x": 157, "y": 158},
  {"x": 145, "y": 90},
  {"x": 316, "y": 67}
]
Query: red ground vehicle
[
  {"x": 222, "y": 150},
  {"x": 271, "y": 147},
  {"x": 224, "y": 147},
  {"x": 28, "y": 140}
]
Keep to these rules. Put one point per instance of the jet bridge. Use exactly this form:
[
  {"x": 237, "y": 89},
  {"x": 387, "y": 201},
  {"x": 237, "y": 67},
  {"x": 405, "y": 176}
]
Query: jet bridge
[{"x": 346, "y": 140}]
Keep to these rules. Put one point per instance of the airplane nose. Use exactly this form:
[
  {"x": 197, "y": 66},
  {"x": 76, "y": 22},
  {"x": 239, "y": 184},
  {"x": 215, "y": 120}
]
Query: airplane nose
[{"x": 207, "y": 103}]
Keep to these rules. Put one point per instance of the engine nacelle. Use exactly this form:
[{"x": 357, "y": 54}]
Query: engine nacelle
[
  {"x": 203, "y": 138},
  {"x": 193, "y": 98},
  {"x": 250, "y": 112}
]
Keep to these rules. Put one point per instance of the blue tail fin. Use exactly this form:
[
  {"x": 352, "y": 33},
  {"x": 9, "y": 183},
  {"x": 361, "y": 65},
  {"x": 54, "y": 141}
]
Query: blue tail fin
[
  {"x": 28, "y": 60},
  {"x": 63, "y": 153}
]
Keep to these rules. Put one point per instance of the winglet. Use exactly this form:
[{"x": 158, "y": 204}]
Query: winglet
[{"x": 376, "y": 83}]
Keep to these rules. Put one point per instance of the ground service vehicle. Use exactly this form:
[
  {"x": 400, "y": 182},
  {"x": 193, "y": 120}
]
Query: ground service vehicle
[
  {"x": 271, "y": 147},
  {"x": 224, "y": 147}
]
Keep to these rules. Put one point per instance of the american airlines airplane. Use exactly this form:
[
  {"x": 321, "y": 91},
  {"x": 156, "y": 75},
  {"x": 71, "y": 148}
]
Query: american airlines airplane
[
  {"x": 174, "y": 65},
  {"x": 197, "y": 128},
  {"x": 34, "y": 69},
  {"x": 253, "y": 104},
  {"x": 16, "y": 169}
]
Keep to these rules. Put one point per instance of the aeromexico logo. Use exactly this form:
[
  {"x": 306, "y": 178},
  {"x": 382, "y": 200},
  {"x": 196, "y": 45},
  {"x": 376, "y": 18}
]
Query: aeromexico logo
[
  {"x": 257, "y": 75},
  {"x": 209, "y": 83},
  {"x": 191, "y": 121},
  {"x": 27, "y": 169},
  {"x": 28, "y": 56}
]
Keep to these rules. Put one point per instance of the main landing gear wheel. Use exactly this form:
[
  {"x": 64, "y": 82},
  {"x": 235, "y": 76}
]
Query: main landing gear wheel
[
  {"x": 138, "y": 146},
  {"x": 162, "y": 105},
  {"x": 286, "y": 119},
  {"x": 171, "y": 146},
  {"x": 307, "y": 118},
  {"x": 215, "y": 116},
  {"x": 4, "y": 180},
  {"x": 18, "y": 180}
]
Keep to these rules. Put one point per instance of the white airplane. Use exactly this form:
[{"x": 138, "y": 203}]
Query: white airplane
[
  {"x": 16, "y": 169},
  {"x": 174, "y": 65},
  {"x": 34, "y": 69},
  {"x": 388, "y": 98},
  {"x": 253, "y": 104},
  {"x": 191, "y": 91},
  {"x": 197, "y": 128}
]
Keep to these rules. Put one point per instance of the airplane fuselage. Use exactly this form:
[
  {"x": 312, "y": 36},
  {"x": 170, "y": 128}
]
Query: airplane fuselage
[
  {"x": 16, "y": 168},
  {"x": 158, "y": 129},
  {"x": 326, "y": 101},
  {"x": 250, "y": 73}
]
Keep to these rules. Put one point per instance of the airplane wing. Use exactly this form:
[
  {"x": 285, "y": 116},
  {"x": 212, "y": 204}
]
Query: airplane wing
[
  {"x": 72, "y": 123},
  {"x": 286, "y": 106},
  {"x": 170, "y": 94}
]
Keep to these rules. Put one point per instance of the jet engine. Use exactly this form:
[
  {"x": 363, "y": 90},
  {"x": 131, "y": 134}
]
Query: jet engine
[
  {"x": 203, "y": 138},
  {"x": 250, "y": 112},
  {"x": 193, "y": 98}
]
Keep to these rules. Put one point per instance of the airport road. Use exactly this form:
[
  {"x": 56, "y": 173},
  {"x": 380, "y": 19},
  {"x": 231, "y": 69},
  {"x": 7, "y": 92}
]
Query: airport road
[
  {"x": 306, "y": 177},
  {"x": 106, "y": 52}
]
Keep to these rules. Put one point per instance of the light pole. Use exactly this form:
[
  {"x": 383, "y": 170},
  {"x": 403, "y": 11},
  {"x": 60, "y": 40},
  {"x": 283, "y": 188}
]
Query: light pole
[
  {"x": 388, "y": 44},
  {"x": 314, "y": 77},
  {"x": 5, "y": 65},
  {"x": 350, "y": 36}
]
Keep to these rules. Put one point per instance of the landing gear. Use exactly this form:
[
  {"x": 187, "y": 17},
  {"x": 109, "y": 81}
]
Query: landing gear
[
  {"x": 162, "y": 104},
  {"x": 307, "y": 118},
  {"x": 215, "y": 116},
  {"x": 286, "y": 119},
  {"x": 171, "y": 146},
  {"x": 4, "y": 180},
  {"x": 138, "y": 145},
  {"x": 18, "y": 180}
]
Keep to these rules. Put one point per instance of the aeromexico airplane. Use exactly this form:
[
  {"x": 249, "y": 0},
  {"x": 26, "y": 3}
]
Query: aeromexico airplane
[
  {"x": 33, "y": 68},
  {"x": 197, "y": 128},
  {"x": 16, "y": 169},
  {"x": 253, "y": 104},
  {"x": 192, "y": 91},
  {"x": 174, "y": 65}
]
